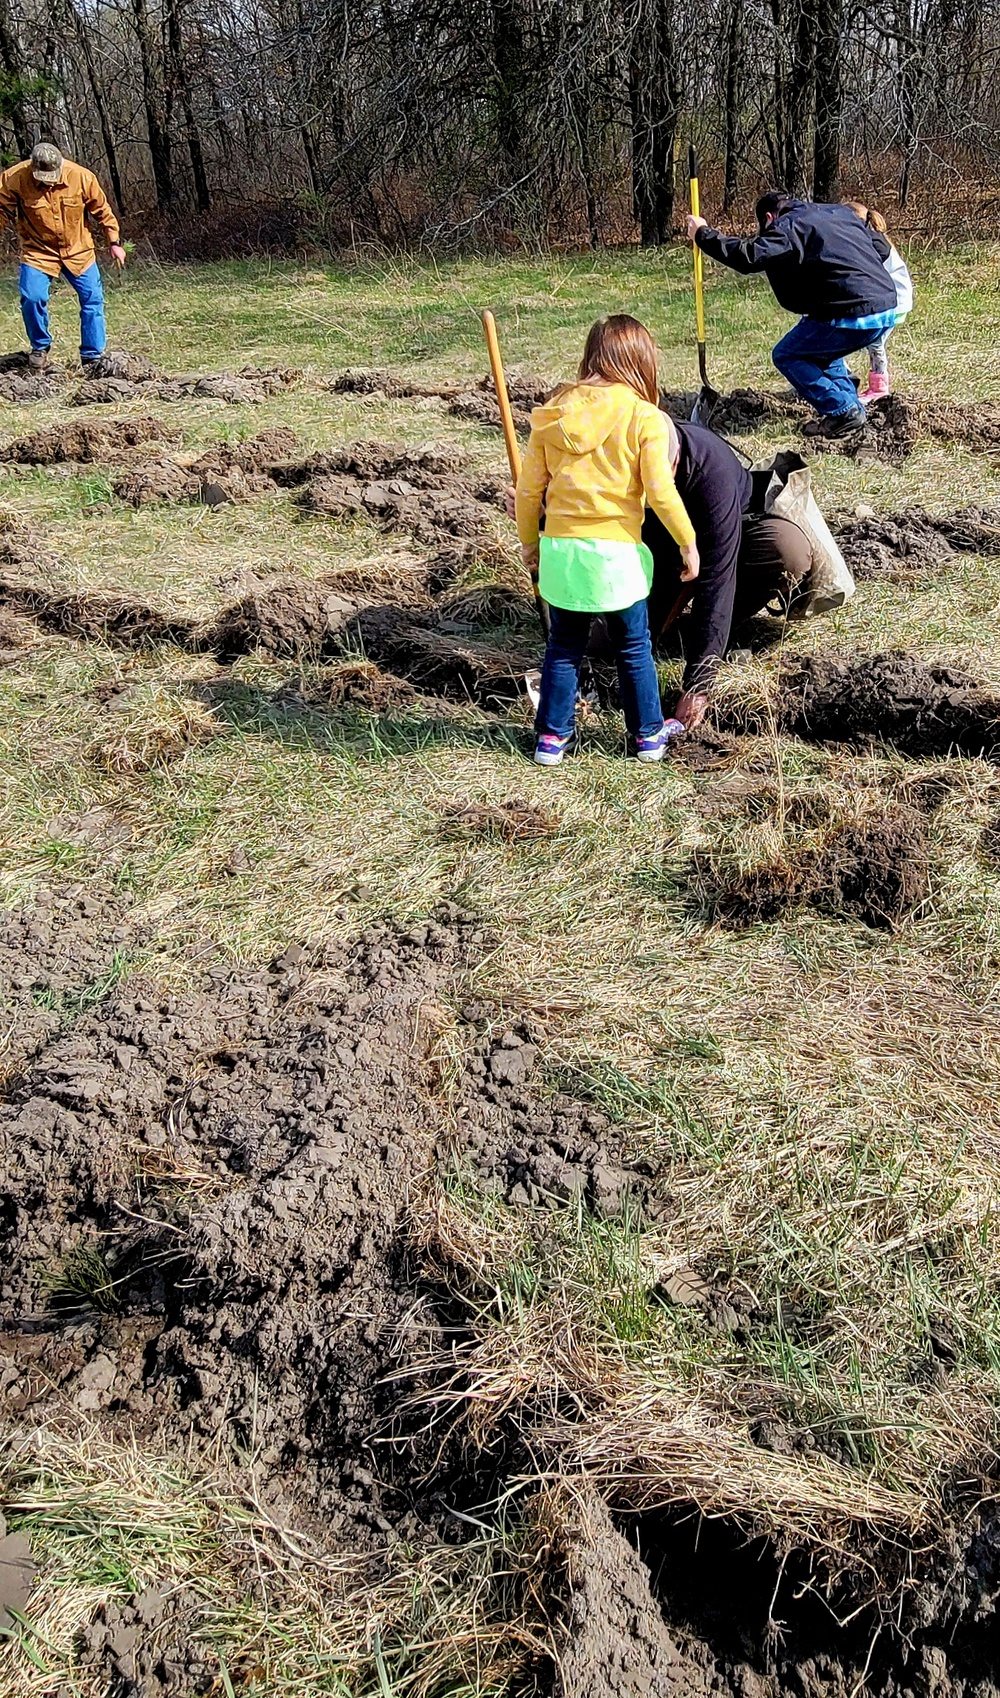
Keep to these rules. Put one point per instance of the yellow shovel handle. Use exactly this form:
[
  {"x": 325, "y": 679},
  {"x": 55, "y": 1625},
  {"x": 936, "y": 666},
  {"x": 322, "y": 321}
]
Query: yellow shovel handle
[{"x": 699, "y": 258}]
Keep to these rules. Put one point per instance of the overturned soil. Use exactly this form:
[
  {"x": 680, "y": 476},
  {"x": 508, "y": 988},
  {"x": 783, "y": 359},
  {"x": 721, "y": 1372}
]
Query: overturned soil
[
  {"x": 897, "y": 546},
  {"x": 423, "y": 494},
  {"x": 741, "y": 411},
  {"x": 876, "y": 869},
  {"x": 478, "y": 405},
  {"x": 20, "y": 385},
  {"x": 293, "y": 618},
  {"x": 208, "y": 1243},
  {"x": 278, "y": 1123},
  {"x": 111, "y": 619},
  {"x": 120, "y": 376},
  {"x": 204, "y": 1227},
  {"x": 227, "y": 472},
  {"x": 89, "y": 440},
  {"x": 438, "y": 664},
  {"x": 893, "y": 698}
]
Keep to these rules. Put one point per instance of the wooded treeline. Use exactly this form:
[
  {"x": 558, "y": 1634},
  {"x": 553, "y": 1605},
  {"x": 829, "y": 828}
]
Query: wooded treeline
[{"x": 478, "y": 121}]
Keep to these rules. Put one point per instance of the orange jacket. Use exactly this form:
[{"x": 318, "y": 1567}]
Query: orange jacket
[{"x": 50, "y": 220}]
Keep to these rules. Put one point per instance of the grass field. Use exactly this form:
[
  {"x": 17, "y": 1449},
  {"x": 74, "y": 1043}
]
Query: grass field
[{"x": 822, "y": 1095}]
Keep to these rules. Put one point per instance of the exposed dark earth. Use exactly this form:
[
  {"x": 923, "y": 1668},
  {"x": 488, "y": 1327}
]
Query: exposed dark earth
[
  {"x": 211, "y": 1221},
  {"x": 208, "y": 1237}
]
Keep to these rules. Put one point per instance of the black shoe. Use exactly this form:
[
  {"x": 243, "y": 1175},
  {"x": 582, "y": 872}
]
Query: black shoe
[{"x": 837, "y": 424}]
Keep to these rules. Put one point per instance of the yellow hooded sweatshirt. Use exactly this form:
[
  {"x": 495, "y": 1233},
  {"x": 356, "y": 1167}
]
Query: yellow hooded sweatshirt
[{"x": 598, "y": 453}]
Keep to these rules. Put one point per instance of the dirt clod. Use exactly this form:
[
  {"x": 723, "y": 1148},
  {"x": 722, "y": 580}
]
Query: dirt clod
[
  {"x": 89, "y": 440},
  {"x": 20, "y": 385},
  {"x": 514, "y": 820},
  {"x": 145, "y": 1648},
  {"x": 290, "y": 618},
  {"x": 362, "y": 684},
  {"x": 435, "y": 663},
  {"x": 146, "y": 726},
  {"x": 123, "y": 367},
  {"x": 893, "y": 697},
  {"x": 760, "y": 895},
  {"x": 109, "y": 619},
  {"x": 227, "y": 472},
  {"x": 252, "y": 384},
  {"x": 612, "y": 1637},
  {"x": 899, "y": 545},
  {"x": 876, "y": 869}
]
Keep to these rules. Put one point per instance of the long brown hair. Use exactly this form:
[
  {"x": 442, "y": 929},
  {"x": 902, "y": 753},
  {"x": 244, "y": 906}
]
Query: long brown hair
[
  {"x": 621, "y": 350},
  {"x": 869, "y": 215}
]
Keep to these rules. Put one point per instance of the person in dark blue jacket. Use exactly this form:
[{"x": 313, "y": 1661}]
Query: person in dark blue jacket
[{"x": 823, "y": 262}]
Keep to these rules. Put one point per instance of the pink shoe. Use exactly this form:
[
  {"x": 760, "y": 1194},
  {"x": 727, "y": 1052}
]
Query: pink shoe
[{"x": 878, "y": 386}]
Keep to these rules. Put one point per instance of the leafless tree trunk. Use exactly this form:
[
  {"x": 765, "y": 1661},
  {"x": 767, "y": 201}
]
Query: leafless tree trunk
[
  {"x": 179, "y": 78},
  {"x": 734, "y": 83},
  {"x": 829, "y": 101},
  {"x": 84, "y": 41},
  {"x": 654, "y": 95},
  {"x": 154, "y": 95},
  {"x": 13, "y": 65}
]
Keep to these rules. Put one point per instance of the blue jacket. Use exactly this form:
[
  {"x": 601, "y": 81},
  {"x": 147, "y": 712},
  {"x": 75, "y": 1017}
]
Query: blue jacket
[{"x": 821, "y": 261}]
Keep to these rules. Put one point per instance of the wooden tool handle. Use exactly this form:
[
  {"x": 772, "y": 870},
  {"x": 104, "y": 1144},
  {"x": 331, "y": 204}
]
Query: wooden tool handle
[{"x": 503, "y": 399}]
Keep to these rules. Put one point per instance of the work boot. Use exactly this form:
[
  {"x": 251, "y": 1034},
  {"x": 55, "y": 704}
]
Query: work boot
[
  {"x": 878, "y": 386},
  {"x": 38, "y": 359},
  {"x": 837, "y": 424}
]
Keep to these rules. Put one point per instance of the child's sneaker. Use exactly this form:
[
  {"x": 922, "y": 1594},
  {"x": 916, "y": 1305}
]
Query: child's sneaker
[
  {"x": 654, "y": 748},
  {"x": 549, "y": 749},
  {"x": 878, "y": 386}
]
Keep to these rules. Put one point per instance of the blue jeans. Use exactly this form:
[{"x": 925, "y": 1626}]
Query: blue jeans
[
  {"x": 640, "y": 689},
  {"x": 811, "y": 356},
  {"x": 35, "y": 287}
]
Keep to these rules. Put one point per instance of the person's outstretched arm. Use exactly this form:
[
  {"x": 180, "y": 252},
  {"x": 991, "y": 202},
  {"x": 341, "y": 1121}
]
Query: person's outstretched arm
[
  {"x": 8, "y": 197},
  {"x": 657, "y": 473},
  {"x": 101, "y": 211},
  {"x": 745, "y": 254},
  {"x": 528, "y": 499}
]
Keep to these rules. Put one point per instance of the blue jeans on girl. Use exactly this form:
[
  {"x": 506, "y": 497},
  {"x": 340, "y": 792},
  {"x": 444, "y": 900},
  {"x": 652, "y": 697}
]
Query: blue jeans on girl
[
  {"x": 35, "y": 287},
  {"x": 628, "y": 630}
]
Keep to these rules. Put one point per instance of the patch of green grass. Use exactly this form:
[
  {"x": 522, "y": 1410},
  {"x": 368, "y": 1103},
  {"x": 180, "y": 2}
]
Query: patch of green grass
[{"x": 819, "y": 1099}]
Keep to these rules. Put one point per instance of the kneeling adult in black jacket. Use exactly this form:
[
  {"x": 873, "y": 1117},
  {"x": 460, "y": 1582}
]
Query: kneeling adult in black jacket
[
  {"x": 747, "y": 560},
  {"x": 823, "y": 262}
]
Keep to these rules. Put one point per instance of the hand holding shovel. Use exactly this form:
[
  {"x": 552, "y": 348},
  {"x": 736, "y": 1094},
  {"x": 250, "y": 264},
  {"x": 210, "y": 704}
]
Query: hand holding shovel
[{"x": 709, "y": 397}]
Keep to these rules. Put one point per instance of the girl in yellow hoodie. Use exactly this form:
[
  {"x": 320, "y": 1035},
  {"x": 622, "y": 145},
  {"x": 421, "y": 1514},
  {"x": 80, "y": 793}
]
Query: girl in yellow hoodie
[{"x": 599, "y": 450}]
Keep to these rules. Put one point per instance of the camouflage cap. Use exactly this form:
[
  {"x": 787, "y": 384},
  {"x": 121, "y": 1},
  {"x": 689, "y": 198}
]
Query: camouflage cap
[{"x": 46, "y": 163}]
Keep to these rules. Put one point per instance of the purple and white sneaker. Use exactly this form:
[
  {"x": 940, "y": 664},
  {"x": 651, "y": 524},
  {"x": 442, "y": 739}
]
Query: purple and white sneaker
[
  {"x": 549, "y": 749},
  {"x": 654, "y": 748}
]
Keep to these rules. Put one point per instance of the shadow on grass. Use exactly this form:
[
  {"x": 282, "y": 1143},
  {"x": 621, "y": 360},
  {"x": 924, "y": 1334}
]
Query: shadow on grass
[{"x": 298, "y": 723}]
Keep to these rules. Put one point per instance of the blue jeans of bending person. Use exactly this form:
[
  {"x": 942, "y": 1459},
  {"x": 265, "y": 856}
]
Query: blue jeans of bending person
[
  {"x": 812, "y": 357},
  {"x": 628, "y": 631},
  {"x": 35, "y": 286}
]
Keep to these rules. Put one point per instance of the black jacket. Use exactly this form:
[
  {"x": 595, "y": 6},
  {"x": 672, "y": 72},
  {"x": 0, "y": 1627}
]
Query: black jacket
[
  {"x": 716, "y": 490},
  {"x": 821, "y": 261}
]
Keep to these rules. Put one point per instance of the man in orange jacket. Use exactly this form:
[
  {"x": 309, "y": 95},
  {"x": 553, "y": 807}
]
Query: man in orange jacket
[{"x": 48, "y": 198}]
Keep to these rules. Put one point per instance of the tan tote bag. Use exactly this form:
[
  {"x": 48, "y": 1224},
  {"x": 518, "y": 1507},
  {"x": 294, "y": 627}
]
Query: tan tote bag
[{"x": 789, "y": 495}]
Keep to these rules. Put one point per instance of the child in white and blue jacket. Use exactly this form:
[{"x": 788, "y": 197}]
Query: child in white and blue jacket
[{"x": 895, "y": 265}]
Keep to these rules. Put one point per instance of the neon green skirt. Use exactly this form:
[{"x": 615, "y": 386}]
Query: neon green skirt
[{"x": 593, "y": 574}]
